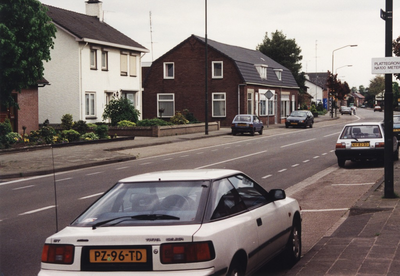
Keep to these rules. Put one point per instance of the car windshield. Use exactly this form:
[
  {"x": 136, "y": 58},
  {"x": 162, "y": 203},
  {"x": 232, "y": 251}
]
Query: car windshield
[
  {"x": 147, "y": 203},
  {"x": 243, "y": 118},
  {"x": 298, "y": 114},
  {"x": 396, "y": 120},
  {"x": 361, "y": 131}
]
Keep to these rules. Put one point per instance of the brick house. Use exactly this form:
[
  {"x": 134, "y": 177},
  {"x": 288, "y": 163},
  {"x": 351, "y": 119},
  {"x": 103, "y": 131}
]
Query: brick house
[
  {"x": 238, "y": 80},
  {"x": 91, "y": 63},
  {"x": 25, "y": 119}
]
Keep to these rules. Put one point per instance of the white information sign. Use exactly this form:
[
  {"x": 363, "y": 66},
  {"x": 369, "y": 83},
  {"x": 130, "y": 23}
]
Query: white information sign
[{"x": 387, "y": 65}]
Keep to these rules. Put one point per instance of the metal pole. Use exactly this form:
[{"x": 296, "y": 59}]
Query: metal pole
[
  {"x": 206, "y": 72},
  {"x": 388, "y": 108}
]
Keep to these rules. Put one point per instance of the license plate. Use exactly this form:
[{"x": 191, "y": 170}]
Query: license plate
[
  {"x": 294, "y": 123},
  {"x": 396, "y": 130},
  {"x": 359, "y": 144},
  {"x": 118, "y": 256},
  {"x": 242, "y": 125}
]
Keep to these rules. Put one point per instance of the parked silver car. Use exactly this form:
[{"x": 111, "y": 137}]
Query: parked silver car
[{"x": 247, "y": 123}]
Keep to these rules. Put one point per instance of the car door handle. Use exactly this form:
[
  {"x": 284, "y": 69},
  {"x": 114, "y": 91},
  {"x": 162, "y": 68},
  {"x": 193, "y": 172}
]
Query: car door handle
[{"x": 259, "y": 222}]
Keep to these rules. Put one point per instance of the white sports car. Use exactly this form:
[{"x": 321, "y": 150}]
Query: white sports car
[{"x": 186, "y": 222}]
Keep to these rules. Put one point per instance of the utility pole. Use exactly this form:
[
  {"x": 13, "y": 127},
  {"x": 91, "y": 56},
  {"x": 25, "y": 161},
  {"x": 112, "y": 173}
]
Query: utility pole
[{"x": 388, "y": 108}]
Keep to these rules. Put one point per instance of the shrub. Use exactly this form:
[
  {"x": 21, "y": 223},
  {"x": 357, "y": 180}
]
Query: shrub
[
  {"x": 13, "y": 138},
  {"x": 153, "y": 122},
  {"x": 5, "y": 128},
  {"x": 89, "y": 136},
  {"x": 119, "y": 110},
  {"x": 71, "y": 135},
  {"x": 102, "y": 131},
  {"x": 126, "y": 123},
  {"x": 46, "y": 133},
  {"x": 66, "y": 121},
  {"x": 80, "y": 126},
  {"x": 190, "y": 116},
  {"x": 179, "y": 119}
]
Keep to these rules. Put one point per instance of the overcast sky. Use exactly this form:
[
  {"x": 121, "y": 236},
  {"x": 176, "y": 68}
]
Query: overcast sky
[{"x": 318, "y": 26}]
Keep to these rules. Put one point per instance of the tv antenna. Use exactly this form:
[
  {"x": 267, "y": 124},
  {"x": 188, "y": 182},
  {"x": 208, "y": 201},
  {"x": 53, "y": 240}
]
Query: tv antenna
[{"x": 151, "y": 37}]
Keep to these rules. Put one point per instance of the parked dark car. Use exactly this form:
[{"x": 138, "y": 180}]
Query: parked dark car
[
  {"x": 247, "y": 123},
  {"x": 301, "y": 118}
]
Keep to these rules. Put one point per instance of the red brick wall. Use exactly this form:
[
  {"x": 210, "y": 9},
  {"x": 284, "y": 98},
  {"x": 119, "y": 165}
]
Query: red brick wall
[{"x": 28, "y": 114}]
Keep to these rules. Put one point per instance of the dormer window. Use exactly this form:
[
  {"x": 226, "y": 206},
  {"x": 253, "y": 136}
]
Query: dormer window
[
  {"x": 278, "y": 73},
  {"x": 262, "y": 70}
]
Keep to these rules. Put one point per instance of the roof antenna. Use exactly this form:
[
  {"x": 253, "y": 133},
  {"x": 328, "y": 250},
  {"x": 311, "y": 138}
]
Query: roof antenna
[{"x": 151, "y": 38}]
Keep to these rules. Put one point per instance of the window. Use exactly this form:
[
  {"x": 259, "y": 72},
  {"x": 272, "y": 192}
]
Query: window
[
  {"x": 132, "y": 65},
  {"x": 250, "y": 193},
  {"x": 262, "y": 70},
  {"x": 130, "y": 96},
  {"x": 266, "y": 106},
  {"x": 250, "y": 109},
  {"x": 217, "y": 70},
  {"x": 124, "y": 64},
  {"x": 93, "y": 59},
  {"x": 278, "y": 73},
  {"x": 285, "y": 105},
  {"x": 169, "y": 70},
  {"x": 166, "y": 102},
  {"x": 104, "y": 60},
  {"x": 90, "y": 100},
  {"x": 218, "y": 105}
]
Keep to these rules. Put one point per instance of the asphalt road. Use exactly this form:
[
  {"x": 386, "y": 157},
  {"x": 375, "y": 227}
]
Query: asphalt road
[{"x": 287, "y": 160}]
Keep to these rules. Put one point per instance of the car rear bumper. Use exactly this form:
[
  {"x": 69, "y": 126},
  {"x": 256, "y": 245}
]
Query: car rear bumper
[
  {"x": 360, "y": 154},
  {"x": 242, "y": 129},
  {"x": 197, "y": 272}
]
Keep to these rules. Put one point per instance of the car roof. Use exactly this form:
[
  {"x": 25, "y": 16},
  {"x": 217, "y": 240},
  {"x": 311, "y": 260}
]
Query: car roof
[
  {"x": 364, "y": 124},
  {"x": 174, "y": 175}
]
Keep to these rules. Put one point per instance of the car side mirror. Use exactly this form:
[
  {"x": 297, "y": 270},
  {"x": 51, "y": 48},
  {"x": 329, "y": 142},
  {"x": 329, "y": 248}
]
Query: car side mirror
[{"x": 277, "y": 194}]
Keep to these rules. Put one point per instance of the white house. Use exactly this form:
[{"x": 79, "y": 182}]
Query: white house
[
  {"x": 91, "y": 62},
  {"x": 315, "y": 90}
]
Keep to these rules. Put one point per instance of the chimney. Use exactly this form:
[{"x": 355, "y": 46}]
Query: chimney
[{"x": 94, "y": 8}]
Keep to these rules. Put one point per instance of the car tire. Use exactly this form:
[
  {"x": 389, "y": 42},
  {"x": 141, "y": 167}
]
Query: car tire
[
  {"x": 287, "y": 126},
  {"x": 234, "y": 133},
  {"x": 293, "y": 247},
  {"x": 396, "y": 155},
  {"x": 237, "y": 267},
  {"x": 311, "y": 125},
  {"x": 252, "y": 132},
  {"x": 261, "y": 131},
  {"x": 341, "y": 162}
]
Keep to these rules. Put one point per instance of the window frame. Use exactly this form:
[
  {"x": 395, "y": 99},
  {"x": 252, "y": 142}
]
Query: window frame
[
  {"x": 90, "y": 105},
  {"x": 269, "y": 104},
  {"x": 166, "y": 70},
  {"x": 214, "y": 63},
  {"x": 104, "y": 60},
  {"x": 133, "y": 65},
  {"x": 262, "y": 70},
  {"x": 218, "y": 100},
  {"x": 124, "y": 64},
  {"x": 93, "y": 59},
  {"x": 165, "y": 100}
]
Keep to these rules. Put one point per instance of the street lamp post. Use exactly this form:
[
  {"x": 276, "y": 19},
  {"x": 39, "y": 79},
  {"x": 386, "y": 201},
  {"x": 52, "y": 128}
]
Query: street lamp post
[
  {"x": 342, "y": 67},
  {"x": 333, "y": 61}
]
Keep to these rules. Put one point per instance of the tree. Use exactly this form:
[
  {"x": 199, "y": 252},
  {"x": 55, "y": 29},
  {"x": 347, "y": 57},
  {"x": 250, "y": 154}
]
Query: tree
[
  {"x": 396, "y": 51},
  {"x": 26, "y": 34},
  {"x": 285, "y": 52},
  {"x": 120, "y": 109},
  {"x": 377, "y": 85},
  {"x": 337, "y": 88}
]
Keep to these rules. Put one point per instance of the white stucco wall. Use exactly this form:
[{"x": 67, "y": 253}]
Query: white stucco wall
[
  {"x": 315, "y": 91},
  {"x": 62, "y": 95},
  {"x": 70, "y": 76}
]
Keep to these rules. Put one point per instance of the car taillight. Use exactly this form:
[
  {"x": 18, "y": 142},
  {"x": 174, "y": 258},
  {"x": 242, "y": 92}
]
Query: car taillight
[
  {"x": 341, "y": 145},
  {"x": 58, "y": 253},
  {"x": 251, "y": 125},
  {"x": 173, "y": 253},
  {"x": 379, "y": 144}
]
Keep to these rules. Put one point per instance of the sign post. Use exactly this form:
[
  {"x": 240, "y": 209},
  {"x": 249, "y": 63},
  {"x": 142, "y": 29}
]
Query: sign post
[{"x": 269, "y": 95}]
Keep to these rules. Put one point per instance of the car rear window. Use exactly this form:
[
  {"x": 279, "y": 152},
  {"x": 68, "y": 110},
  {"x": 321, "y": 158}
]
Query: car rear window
[
  {"x": 361, "y": 131},
  {"x": 243, "y": 118}
]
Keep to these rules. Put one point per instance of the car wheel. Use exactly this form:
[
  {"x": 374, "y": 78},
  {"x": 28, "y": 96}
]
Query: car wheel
[
  {"x": 261, "y": 131},
  {"x": 237, "y": 267},
  {"x": 293, "y": 247},
  {"x": 233, "y": 133},
  {"x": 341, "y": 162},
  {"x": 311, "y": 125},
  {"x": 252, "y": 132},
  {"x": 287, "y": 126},
  {"x": 396, "y": 155}
]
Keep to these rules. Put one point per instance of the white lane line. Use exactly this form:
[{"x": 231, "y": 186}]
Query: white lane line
[
  {"x": 121, "y": 168},
  {"x": 183, "y": 156},
  {"x": 353, "y": 184},
  {"x": 337, "y": 133},
  {"x": 147, "y": 163},
  {"x": 305, "y": 161},
  {"x": 25, "y": 187},
  {"x": 90, "y": 196},
  {"x": 37, "y": 210},
  {"x": 200, "y": 152},
  {"x": 264, "y": 177},
  {"x": 63, "y": 179},
  {"x": 229, "y": 160},
  {"x": 93, "y": 173},
  {"x": 315, "y": 157},
  {"x": 282, "y": 170},
  {"x": 166, "y": 159},
  {"x": 325, "y": 210},
  {"x": 324, "y": 153},
  {"x": 331, "y": 150},
  {"x": 305, "y": 141},
  {"x": 295, "y": 165}
]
